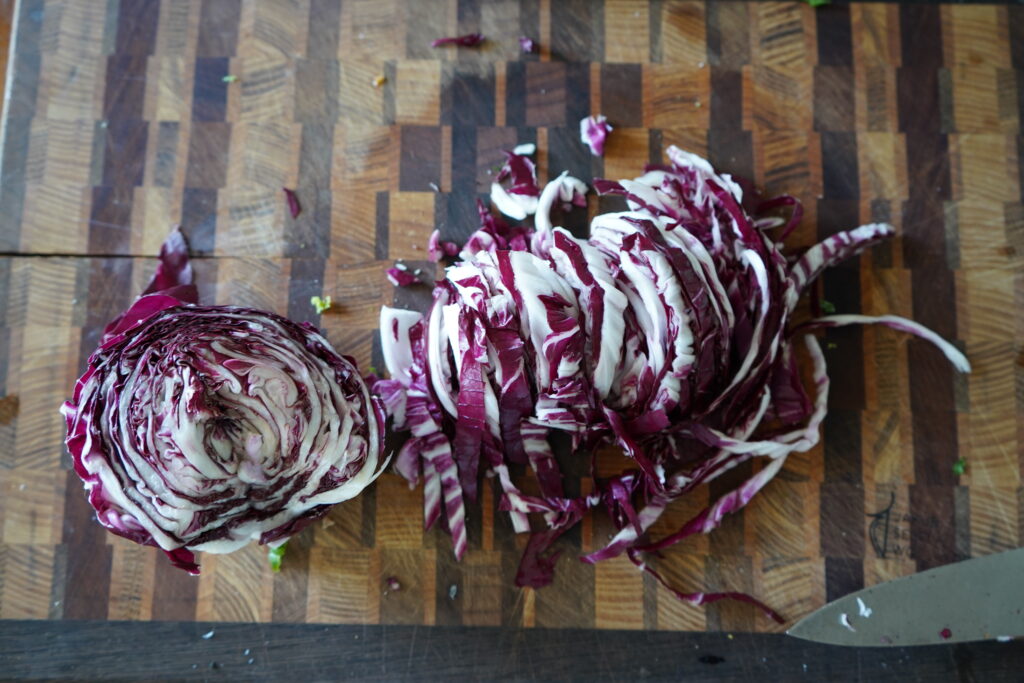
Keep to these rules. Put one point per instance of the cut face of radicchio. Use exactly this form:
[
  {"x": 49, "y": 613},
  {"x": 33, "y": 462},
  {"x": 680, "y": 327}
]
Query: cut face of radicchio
[
  {"x": 207, "y": 427},
  {"x": 668, "y": 332},
  {"x": 593, "y": 133}
]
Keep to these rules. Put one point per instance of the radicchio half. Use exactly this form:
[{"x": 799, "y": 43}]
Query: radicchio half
[{"x": 203, "y": 428}]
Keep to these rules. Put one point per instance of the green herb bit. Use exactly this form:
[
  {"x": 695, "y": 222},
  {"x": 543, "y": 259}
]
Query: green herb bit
[
  {"x": 960, "y": 466},
  {"x": 275, "y": 556},
  {"x": 831, "y": 345},
  {"x": 817, "y": 3},
  {"x": 320, "y": 304},
  {"x": 230, "y": 78},
  {"x": 828, "y": 307}
]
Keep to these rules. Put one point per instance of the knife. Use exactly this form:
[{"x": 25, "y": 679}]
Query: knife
[{"x": 979, "y": 599}]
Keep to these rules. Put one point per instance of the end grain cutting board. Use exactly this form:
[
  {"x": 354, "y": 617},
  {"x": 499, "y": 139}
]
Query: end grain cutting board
[{"x": 120, "y": 123}]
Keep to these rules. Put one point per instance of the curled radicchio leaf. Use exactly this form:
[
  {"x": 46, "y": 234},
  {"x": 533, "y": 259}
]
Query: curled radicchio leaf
[{"x": 203, "y": 428}]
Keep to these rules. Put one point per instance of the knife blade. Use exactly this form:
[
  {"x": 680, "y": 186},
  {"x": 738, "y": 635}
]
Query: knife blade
[{"x": 979, "y": 599}]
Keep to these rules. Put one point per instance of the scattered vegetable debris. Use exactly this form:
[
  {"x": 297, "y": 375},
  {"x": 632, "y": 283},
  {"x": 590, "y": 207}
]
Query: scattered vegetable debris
[
  {"x": 293, "y": 202},
  {"x": 275, "y": 556},
  {"x": 960, "y": 466},
  {"x": 468, "y": 40},
  {"x": 320, "y": 304},
  {"x": 400, "y": 276},
  {"x": 207, "y": 635},
  {"x": 527, "y": 45},
  {"x": 230, "y": 78},
  {"x": 379, "y": 81},
  {"x": 593, "y": 133},
  {"x": 393, "y": 583}
]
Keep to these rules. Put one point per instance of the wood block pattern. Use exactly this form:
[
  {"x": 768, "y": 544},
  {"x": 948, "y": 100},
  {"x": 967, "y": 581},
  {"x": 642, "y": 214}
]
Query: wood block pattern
[{"x": 127, "y": 117}]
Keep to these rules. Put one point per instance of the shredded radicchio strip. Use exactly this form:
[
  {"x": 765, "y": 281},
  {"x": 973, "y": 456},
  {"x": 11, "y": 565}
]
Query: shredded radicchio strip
[
  {"x": 468, "y": 40},
  {"x": 293, "y": 202},
  {"x": 666, "y": 332}
]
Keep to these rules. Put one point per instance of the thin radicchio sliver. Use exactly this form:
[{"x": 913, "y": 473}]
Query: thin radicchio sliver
[
  {"x": 668, "y": 332},
  {"x": 203, "y": 428},
  {"x": 294, "y": 208},
  {"x": 468, "y": 40}
]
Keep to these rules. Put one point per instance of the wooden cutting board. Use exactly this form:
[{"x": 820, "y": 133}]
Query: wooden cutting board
[{"x": 120, "y": 123}]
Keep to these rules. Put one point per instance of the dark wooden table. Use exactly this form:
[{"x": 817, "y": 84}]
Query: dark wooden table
[{"x": 120, "y": 122}]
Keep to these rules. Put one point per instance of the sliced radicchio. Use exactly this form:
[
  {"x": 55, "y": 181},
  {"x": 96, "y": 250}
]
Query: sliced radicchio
[
  {"x": 468, "y": 40},
  {"x": 668, "y": 332},
  {"x": 518, "y": 198},
  {"x": 438, "y": 249},
  {"x": 294, "y": 208},
  {"x": 593, "y": 133},
  {"x": 401, "y": 276},
  {"x": 202, "y": 428},
  {"x": 527, "y": 45}
]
